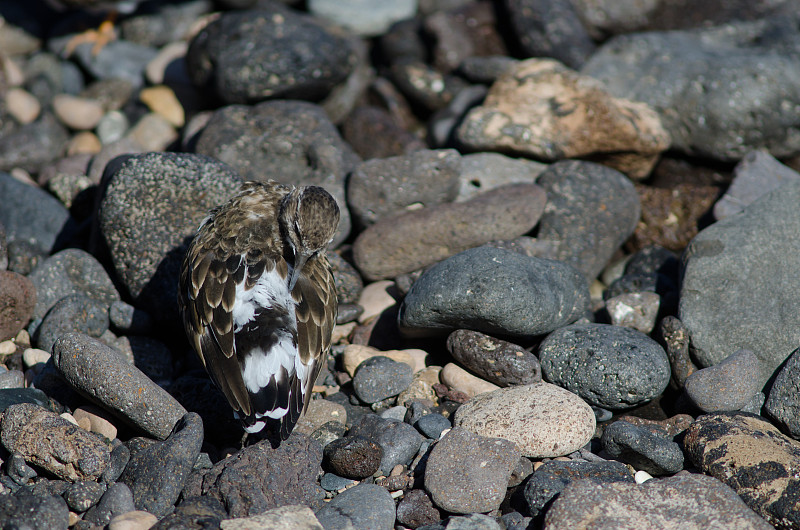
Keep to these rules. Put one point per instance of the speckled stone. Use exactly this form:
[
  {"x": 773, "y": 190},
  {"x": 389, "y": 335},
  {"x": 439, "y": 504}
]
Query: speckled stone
[
  {"x": 500, "y": 362},
  {"x": 643, "y": 449},
  {"x": 728, "y": 385}
]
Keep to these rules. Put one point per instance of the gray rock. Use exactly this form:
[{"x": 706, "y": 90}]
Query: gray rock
[
  {"x": 362, "y": 506},
  {"x": 710, "y": 85},
  {"x": 757, "y": 173},
  {"x": 608, "y": 366},
  {"x": 783, "y": 403},
  {"x": 32, "y": 147},
  {"x": 26, "y": 510},
  {"x": 367, "y": 18},
  {"x": 82, "y": 495},
  {"x": 353, "y": 457},
  {"x": 500, "y": 362},
  {"x": 482, "y": 172},
  {"x": 468, "y": 473},
  {"x": 285, "y": 475},
  {"x": 31, "y": 214},
  {"x": 17, "y": 302},
  {"x": 432, "y": 425},
  {"x": 67, "y": 451},
  {"x": 75, "y": 313},
  {"x": 400, "y": 441},
  {"x": 382, "y": 187},
  {"x": 408, "y": 241},
  {"x": 415, "y": 509},
  {"x": 591, "y": 210},
  {"x": 119, "y": 59},
  {"x": 642, "y": 448},
  {"x": 156, "y": 475},
  {"x": 634, "y": 310},
  {"x": 494, "y": 291},
  {"x": 117, "y": 500},
  {"x": 547, "y": 482},
  {"x": 12, "y": 396},
  {"x": 728, "y": 385},
  {"x": 684, "y": 501},
  {"x": 333, "y": 482},
  {"x": 130, "y": 320},
  {"x": 473, "y": 521},
  {"x": 379, "y": 377},
  {"x": 292, "y": 142},
  {"x": 738, "y": 283},
  {"x": 151, "y": 206},
  {"x": 102, "y": 373},
  {"x": 348, "y": 281},
  {"x": 272, "y": 52},
  {"x": 751, "y": 456}
]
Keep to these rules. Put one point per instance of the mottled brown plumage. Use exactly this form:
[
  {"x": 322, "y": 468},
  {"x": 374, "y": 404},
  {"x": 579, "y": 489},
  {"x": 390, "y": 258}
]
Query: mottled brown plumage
[{"x": 256, "y": 291}]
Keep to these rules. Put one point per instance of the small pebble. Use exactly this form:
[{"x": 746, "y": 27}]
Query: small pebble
[
  {"x": 375, "y": 299},
  {"x": 728, "y": 385},
  {"x": 100, "y": 421},
  {"x": 161, "y": 100},
  {"x": 378, "y": 378},
  {"x": 634, "y": 310},
  {"x": 22, "y": 105},
  {"x": 77, "y": 113},
  {"x": 34, "y": 356},
  {"x": 459, "y": 379},
  {"x": 85, "y": 142},
  {"x": 135, "y": 520},
  {"x": 644, "y": 450}
]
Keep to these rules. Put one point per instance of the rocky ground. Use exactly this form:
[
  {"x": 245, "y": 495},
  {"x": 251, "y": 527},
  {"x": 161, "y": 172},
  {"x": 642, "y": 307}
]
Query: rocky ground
[{"x": 566, "y": 267}]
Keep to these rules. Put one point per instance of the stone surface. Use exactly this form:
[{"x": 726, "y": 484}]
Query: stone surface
[
  {"x": 416, "y": 509},
  {"x": 541, "y": 109},
  {"x": 39, "y": 512},
  {"x": 281, "y": 518},
  {"x": 75, "y": 313},
  {"x": 468, "y": 473},
  {"x": 542, "y": 419},
  {"x": 609, "y": 366},
  {"x": 643, "y": 449},
  {"x": 726, "y": 386},
  {"x": 500, "y": 362},
  {"x": 362, "y": 506},
  {"x": 17, "y": 301},
  {"x": 783, "y": 402},
  {"x": 473, "y": 290},
  {"x": 634, "y": 310},
  {"x": 482, "y": 172},
  {"x": 399, "y": 441},
  {"x": 461, "y": 380},
  {"x": 751, "y": 456},
  {"x": 353, "y": 457},
  {"x": 738, "y": 283},
  {"x": 379, "y": 377}
]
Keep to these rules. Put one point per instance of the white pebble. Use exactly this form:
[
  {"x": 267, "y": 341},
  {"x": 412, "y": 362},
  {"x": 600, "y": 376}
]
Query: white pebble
[
  {"x": 23, "y": 105},
  {"x": 33, "y": 356},
  {"x": 642, "y": 476}
]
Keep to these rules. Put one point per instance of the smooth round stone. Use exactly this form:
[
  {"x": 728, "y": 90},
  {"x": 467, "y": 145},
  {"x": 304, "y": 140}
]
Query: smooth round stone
[
  {"x": 609, "y": 366},
  {"x": 415, "y": 509},
  {"x": 161, "y": 99},
  {"x": 432, "y": 425},
  {"x": 153, "y": 132},
  {"x": 634, "y": 310},
  {"x": 379, "y": 378},
  {"x": 112, "y": 127},
  {"x": 117, "y": 500},
  {"x": 362, "y": 506},
  {"x": 375, "y": 298},
  {"x": 395, "y": 413},
  {"x": 76, "y": 112},
  {"x": 75, "y": 313},
  {"x": 12, "y": 396},
  {"x": 400, "y": 441},
  {"x": 118, "y": 59},
  {"x": 367, "y": 18},
  {"x": 353, "y": 457},
  {"x": 85, "y": 142},
  {"x": 783, "y": 402},
  {"x": 99, "y": 420},
  {"x": 494, "y": 291},
  {"x": 82, "y": 495},
  {"x": 129, "y": 319},
  {"x": 135, "y": 520},
  {"x": 643, "y": 449},
  {"x": 34, "y": 356},
  {"x": 481, "y": 172},
  {"x": 468, "y": 473},
  {"x": 728, "y": 385},
  {"x": 18, "y": 299},
  {"x": 459, "y": 379},
  {"x": 333, "y": 482},
  {"x": 544, "y": 420},
  {"x": 499, "y": 362},
  {"x": 22, "y": 105},
  {"x": 683, "y": 501},
  {"x": 159, "y": 70}
]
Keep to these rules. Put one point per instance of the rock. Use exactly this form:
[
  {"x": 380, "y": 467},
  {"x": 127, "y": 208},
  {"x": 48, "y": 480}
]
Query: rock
[
  {"x": 333, "y": 482},
  {"x": 348, "y": 282},
  {"x": 286, "y": 475},
  {"x": 298, "y": 57},
  {"x": 375, "y": 133},
  {"x": 355, "y": 354},
  {"x": 195, "y": 512},
  {"x": 500, "y": 362},
  {"x": 367, "y": 18},
  {"x": 726, "y": 386},
  {"x": 99, "y": 420},
  {"x": 37, "y": 217},
  {"x": 399, "y": 441},
  {"x": 542, "y": 419},
  {"x": 22, "y": 105},
  {"x": 541, "y": 109},
  {"x": 67, "y": 451},
  {"x": 378, "y": 378},
  {"x": 468, "y": 473},
  {"x": 151, "y": 206},
  {"x": 77, "y": 113},
  {"x": 161, "y": 99},
  {"x": 320, "y": 412},
  {"x": 783, "y": 403},
  {"x": 13, "y": 396},
  {"x": 708, "y": 85},
  {"x": 757, "y": 173},
  {"x": 676, "y": 341},
  {"x": 459, "y": 379},
  {"x": 293, "y": 142},
  {"x": 81, "y": 496},
  {"x": 130, "y": 320},
  {"x": 411, "y": 240},
  {"x": 117, "y": 500},
  {"x": 609, "y": 366},
  {"x": 481, "y": 172},
  {"x": 432, "y": 425},
  {"x": 32, "y": 147},
  {"x": 282, "y": 518},
  {"x": 75, "y": 313},
  {"x": 17, "y": 301},
  {"x": 752, "y": 256},
  {"x": 101, "y": 373},
  {"x": 591, "y": 210},
  {"x": 353, "y": 457},
  {"x": 550, "y": 479},
  {"x": 634, "y": 310},
  {"x": 27, "y": 510},
  {"x": 381, "y": 188},
  {"x": 134, "y": 520},
  {"x": 473, "y": 290},
  {"x": 415, "y": 509},
  {"x": 644, "y": 450},
  {"x": 119, "y": 59},
  {"x": 683, "y": 501},
  {"x": 550, "y": 29},
  {"x": 157, "y": 475},
  {"x": 362, "y": 506}
]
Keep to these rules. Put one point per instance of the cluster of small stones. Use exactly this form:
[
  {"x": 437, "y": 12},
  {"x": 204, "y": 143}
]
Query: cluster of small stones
[{"x": 566, "y": 265}]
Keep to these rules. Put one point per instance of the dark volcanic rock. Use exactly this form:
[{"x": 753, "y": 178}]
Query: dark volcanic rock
[{"x": 503, "y": 363}]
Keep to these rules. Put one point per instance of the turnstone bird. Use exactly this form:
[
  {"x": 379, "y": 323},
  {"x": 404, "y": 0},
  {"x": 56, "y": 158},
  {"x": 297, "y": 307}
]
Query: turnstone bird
[{"x": 258, "y": 299}]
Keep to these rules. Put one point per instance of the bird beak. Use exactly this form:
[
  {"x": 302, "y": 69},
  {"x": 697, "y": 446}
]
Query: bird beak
[{"x": 299, "y": 262}]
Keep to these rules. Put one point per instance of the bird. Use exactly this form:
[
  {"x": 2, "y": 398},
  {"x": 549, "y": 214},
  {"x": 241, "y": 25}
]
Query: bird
[{"x": 258, "y": 300}]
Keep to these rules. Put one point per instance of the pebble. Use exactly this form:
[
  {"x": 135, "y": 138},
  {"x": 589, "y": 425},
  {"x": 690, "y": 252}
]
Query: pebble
[
  {"x": 68, "y": 452},
  {"x": 416, "y": 509},
  {"x": 459, "y": 379},
  {"x": 127, "y": 319},
  {"x": 161, "y": 99},
  {"x": 75, "y": 313},
  {"x": 333, "y": 482},
  {"x": 751, "y": 254},
  {"x": 728, "y": 385},
  {"x": 153, "y": 132},
  {"x": 367, "y": 18},
  {"x": 530, "y": 99},
  {"x": 542, "y": 419},
  {"x": 729, "y": 445},
  {"x": 552, "y": 477},
  {"x": 482, "y": 172},
  {"x": 608, "y": 366},
  {"x": 281, "y": 518},
  {"x": 82, "y": 495},
  {"x": 643, "y": 449},
  {"x": 682, "y": 501},
  {"x": 77, "y": 113},
  {"x": 100, "y": 421},
  {"x": 355, "y": 354},
  {"x": 458, "y": 482},
  {"x": 634, "y": 310},
  {"x": 494, "y": 291},
  {"x": 135, "y": 520},
  {"x": 399, "y": 441},
  {"x": 376, "y": 298},
  {"x": 353, "y": 457},
  {"x": 99, "y": 372},
  {"x": 112, "y": 127},
  {"x": 783, "y": 403},
  {"x": 116, "y": 501},
  {"x": 362, "y": 506},
  {"x": 28, "y": 510},
  {"x": 84, "y": 142},
  {"x": 676, "y": 341},
  {"x": 591, "y": 210},
  {"x": 22, "y": 105},
  {"x": 433, "y": 425},
  {"x": 500, "y": 362},
  {"x": 378, "y": 378},
  {"x": 392, "y": 245},
  {"x": 171, "y": 57},
  {"x": 320, "y": 412},
  {"x": 18, "y": 301}
]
